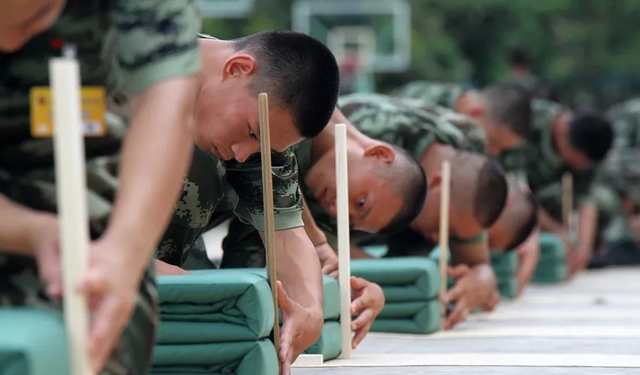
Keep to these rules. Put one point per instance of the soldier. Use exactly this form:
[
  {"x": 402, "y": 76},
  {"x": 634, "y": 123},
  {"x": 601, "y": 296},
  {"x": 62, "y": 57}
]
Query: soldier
[
  {"x": 563, "y": 141},
  {"x": 300, "y": 75},
  {"x": 153, "y": 44}
]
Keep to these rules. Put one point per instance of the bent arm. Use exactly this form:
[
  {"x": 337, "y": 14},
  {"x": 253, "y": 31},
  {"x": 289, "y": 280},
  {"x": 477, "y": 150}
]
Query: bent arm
[
  {"x": 476, "y": 256},
  {"x": 587, "y": 226},
  {"x": 17, "y": 226}
]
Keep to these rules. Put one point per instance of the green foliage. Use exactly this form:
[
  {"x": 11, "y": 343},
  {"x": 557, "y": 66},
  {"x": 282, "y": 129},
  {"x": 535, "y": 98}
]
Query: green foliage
[{"x": 578, "y": 45}]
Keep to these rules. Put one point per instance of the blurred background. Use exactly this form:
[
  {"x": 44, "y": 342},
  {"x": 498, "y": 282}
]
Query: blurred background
[{"x": 586, "y": 49}]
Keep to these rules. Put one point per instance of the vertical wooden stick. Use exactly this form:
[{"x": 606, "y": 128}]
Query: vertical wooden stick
[
  {"x": 444, "y": 232},
  {"x": 344, "y": 242},
  {"x": 70, "y": 171},
  {"x": 267, "y": 196},
  {"x": 567, "y": 198}
]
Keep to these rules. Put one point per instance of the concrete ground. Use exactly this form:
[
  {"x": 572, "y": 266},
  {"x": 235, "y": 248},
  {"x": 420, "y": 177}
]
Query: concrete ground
[{"x": 588, "y": 326}]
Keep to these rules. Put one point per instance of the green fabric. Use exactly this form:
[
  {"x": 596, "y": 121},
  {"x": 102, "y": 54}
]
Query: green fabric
[
  {"x": 32, "y": 342},
  {"x": 401, "y": 279},
  {"x": 508, "y": 287},
  {"x": 176, "y": 333},
  {"x": 330, "y": 342},
  {"x": 376, "y": 251},
  {"x": 331, "y": 300},
  {"x": 550, "y": 272},
  {"x": 229, "y": 297},
  {"x": 238, "y": 358},
  {"x": 503, "y": 262},
  {"x": 409, "y": 317},
  {"x": 551, "y": 247}
]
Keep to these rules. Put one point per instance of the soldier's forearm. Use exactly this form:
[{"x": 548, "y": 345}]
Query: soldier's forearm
[
  {"x": 298, "y": 268},
  {"x": 155, "y": 157},
  {"x": 18, "y": 226},
  {"x": 486, "y": 285},
  {"x": 587, "y": 226},
  {"x": 316, "y": 235}
]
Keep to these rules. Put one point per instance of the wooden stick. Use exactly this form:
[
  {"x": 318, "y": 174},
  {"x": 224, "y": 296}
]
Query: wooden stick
[
  {"x": 567, "y": 198},
  {"x": 70, "y": 171},
  {"x": 444, "y": 232},
  {"x": 267, "y": 196},
  {"x": 344, "y": 256}
]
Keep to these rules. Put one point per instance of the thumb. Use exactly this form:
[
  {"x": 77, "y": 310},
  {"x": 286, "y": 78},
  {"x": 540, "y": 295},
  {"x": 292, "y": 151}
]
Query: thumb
[
  {"x": 458, "y": 271},
  {"x": 283, "y": 299},
  {"x": 357, "y": 283}
]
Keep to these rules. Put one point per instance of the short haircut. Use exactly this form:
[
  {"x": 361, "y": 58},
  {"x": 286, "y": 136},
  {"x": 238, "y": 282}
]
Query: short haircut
[
  {"x": 546, "y": 91},
  {"x": 298, "y": 72},
  {"x": 478, "y": 185},
  {"x": 407, "y": 180},
  {"x": 529, "y": 223},
  {"x": 491, "y": 193},
  {"x": 519, "y": 57},
  {"x": 509, "y": 104},
  {"x": 591, "y": 134}
]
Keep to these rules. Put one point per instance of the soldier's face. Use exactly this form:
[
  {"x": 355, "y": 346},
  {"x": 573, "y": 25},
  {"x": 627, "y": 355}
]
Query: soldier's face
[
  {"x": 227, "y": 122},
  {"x": 21, "y": 20},
  {"x": 372, "y": 203}
]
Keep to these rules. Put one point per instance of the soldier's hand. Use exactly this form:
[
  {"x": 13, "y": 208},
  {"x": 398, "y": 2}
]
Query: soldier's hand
[
  {"x": 493, "y": 301},
  {"x": 328, "y": 260},
  {"x": 460, "y": 294},
  {"x": 163, "y": 269},
  {"x": 300, "y": 329},
  {"x": 367, "y": 300},
  {"x": 528, "y": 255},
  {"x": 45, "y": 243},
  {"x": 578, "y": 259},
  {"x": 111, "y": 287}
]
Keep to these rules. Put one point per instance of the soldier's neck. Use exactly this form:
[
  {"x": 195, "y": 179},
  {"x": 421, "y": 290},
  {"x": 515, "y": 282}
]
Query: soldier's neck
[{"x": 434, "y": 156}]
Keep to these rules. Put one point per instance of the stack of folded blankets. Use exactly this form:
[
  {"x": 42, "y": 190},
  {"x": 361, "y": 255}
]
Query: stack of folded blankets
[
  {"x": 552, "y": 266},
  {"x": 32, "y": 342},
  {"x": 329, "y": 345},
  {"x": 410, "y": 287},
  {"x": 215, "y": 322},
  {"x": 505, "y": 266}
]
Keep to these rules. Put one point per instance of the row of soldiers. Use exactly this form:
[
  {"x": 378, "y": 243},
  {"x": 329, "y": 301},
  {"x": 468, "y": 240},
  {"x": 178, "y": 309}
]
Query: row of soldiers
[{"x": 183, "y": 112}]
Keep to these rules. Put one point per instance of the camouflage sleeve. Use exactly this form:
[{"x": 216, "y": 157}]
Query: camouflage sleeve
[
  {"x": 156, "y": 41},
  {"x": 246, "y": 181}
]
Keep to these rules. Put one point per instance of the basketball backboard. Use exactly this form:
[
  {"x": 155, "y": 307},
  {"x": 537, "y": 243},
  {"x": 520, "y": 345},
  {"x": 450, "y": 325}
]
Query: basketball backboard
[
  {"x": 379, "y": 31},
  {"x": 225, "y": 8}
]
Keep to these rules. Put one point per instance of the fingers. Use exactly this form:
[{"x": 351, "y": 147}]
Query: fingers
[
  {"x": 109, "y": 321},
  {"x": 283, "y": 298},
  {"x": 329, "y": 268},
  {"x": 454, "y": 293},
  {"x": 492, "y": 302},
  {"x": 49, "y": 267},
  {"x": 458, "y": 271},
  {"x": 286, "y": 340},
  {"x": 358, "y": 283},
  {"x": 360, "y": 335},
  {"x": 363, "y": 319},
  {"x": 458, "y": 315},
  {"x": 334, "y": 274}
]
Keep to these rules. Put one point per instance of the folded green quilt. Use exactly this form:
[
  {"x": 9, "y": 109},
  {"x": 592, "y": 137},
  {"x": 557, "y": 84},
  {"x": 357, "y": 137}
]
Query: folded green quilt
[
  {"x": 508, "y": 287},
  {"x": 238, "y": 358},
  {"x": 409, "y": 317},
  {"x": 214, "y": 306},
  {"x": 32, "y": 342},
  {"x": 504, "y": 263},
  {"x": 551, "y": 272},
  {"x": 551, "y": 247},
  {"x": 330, "y": 342},
  {"x": 401, "y": 279},
  {"x": 331, "y": 289},
  {"x": 376, "y": 251}
]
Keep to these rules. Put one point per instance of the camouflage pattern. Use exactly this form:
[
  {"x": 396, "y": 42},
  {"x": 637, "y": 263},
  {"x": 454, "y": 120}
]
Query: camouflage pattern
[
  {"x": 213, "y": 186},
  {"x": 126, "y": 45},
  {"x": 625, "y": 118},
  {"x": 440, "y": 93}
]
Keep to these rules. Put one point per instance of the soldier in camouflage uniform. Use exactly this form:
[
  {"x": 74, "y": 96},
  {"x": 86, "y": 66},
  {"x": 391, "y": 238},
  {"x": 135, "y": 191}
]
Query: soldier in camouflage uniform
[
  {"x": 503, "y": 110},
  {"x": 560, "y": 142},
  {"x": 403, "y": 129},
  {"x": 150, "y": 47}
]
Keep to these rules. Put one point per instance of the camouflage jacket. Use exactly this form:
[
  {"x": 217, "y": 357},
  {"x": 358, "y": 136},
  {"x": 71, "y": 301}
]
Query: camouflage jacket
[
  {"x": 440, "y": 93},
  {"x": 213, "y": 185},
  {"x": 625, "y": 118},
  {"x": 126, "y": 44},
  {"x": 544, "y": 166}
]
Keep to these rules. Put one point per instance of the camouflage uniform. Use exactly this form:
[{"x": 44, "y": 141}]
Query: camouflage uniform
[
  {"x": 214, "y": 190},
  {"x": 441, "y": 93},
  {"x": 379, "y": 117},
  {"x": 153, "y": 41}
]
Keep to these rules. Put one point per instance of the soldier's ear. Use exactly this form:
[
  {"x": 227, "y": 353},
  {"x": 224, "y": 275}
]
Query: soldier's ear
[
  {"x": 239, "y": 65},
  {"x": 381, "y": 152}
]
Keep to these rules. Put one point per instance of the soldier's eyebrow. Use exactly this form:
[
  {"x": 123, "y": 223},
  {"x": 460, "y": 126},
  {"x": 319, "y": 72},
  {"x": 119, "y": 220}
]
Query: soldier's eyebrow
[{"x": 36, "y": 16}]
